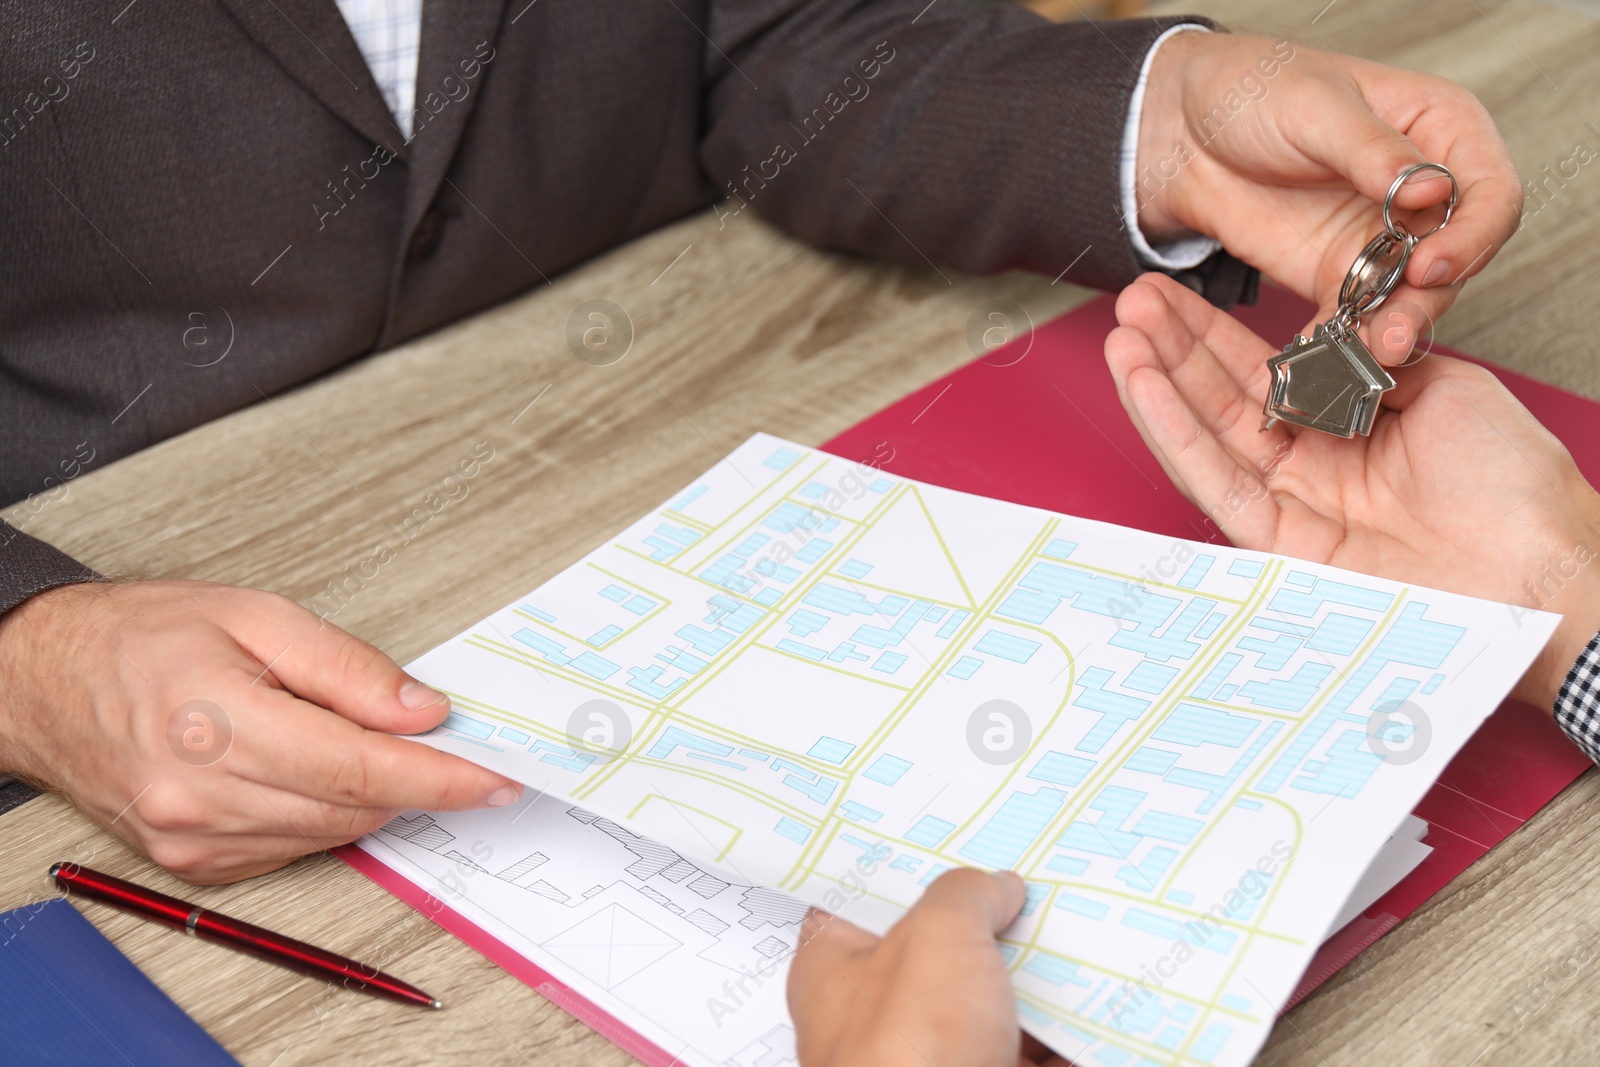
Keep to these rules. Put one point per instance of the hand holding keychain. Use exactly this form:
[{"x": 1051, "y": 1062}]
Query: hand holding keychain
[{"x": 1331, "y": 381}]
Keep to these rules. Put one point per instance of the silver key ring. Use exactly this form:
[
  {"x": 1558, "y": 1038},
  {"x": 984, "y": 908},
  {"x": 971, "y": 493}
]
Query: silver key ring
[
  {"x": 1398, "y": 231},
  {"x": 1375, "y": 273}
]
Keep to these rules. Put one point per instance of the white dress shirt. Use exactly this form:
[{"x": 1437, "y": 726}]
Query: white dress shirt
[
  {"x": 389, "y": 34},
  {"x": 1174, "y": 255}
]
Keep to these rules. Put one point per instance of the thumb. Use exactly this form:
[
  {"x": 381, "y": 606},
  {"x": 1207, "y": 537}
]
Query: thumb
[
  {"x": 1346, "y": 136},
  {"x": 320, "y": 663},
  {"x": 989, "y": 901},
  {"x": 827, "y": 944},
  {"x": 1412, "y": 381}
]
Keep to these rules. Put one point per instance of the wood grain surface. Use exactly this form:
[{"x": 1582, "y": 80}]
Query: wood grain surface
[{"x": 737, "y": 329}]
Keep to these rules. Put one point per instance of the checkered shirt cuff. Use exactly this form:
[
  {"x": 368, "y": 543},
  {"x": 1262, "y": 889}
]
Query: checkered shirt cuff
[{"x": 1578, "y": 703}]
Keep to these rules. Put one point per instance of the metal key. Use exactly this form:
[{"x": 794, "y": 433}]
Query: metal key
[{"x": 1330, "y": 381}]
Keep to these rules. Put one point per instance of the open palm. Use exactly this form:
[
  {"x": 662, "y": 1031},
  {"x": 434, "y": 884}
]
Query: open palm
[{"x": 1457, "y": 488}]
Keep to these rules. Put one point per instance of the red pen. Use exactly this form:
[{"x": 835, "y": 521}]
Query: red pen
[{"x": 211, "y": 926}]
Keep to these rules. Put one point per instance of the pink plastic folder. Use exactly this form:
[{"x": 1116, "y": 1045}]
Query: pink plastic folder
[{"x": 1038, "y": 422}]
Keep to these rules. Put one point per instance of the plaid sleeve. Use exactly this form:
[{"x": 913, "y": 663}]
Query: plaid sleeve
[{"x": 1578, "y": 703}]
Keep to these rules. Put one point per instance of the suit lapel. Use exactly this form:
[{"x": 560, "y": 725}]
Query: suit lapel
[
  {"x": 312, "y": 41},
  {"x": 453, "y": 32}
]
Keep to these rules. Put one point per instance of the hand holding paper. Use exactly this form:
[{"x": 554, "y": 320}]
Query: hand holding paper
[
  {"x": 222, "y": 731},
  {"x": 1458, "y": 487},
  {"x": 934, "y": 989}
]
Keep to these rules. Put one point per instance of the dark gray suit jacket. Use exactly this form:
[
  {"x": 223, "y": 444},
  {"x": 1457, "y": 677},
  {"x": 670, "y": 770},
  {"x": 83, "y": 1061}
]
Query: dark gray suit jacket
[{"x": 173, "y": 172}]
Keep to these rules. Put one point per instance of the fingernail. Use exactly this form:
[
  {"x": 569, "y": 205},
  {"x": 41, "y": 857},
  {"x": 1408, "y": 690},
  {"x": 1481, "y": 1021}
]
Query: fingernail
[
  {"x": 1437, "y": 273},
  {"x": 503, "y": 797},
  {"x": 416, "y": 696}
]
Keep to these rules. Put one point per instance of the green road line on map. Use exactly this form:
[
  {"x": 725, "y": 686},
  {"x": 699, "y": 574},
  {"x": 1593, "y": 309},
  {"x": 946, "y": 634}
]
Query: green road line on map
[
  {"x": 761, "y": 501},
  {"x": 555, "y": 670},
  {"x": 640, "y": 743},
  {"x": 729, "y": 655},
  {"x": 669, "y": 716},
  {"x": 870, "y": 747},
  {"x": 1100, "y": 1032},
  {"x": 535, "y": 726},
  {"x": 1290, "y": 735},
  {"x": 954, "y": 645},
  {"x": 715, "y": 731},
  {"x": 1242, "y": 949},
  {"x": 821, "y": 665},
  {"x": 726, "y": 656},
  {"x": 1068, "y": 1016},
  {"x": 1378, "y": 632},
  {"x": 766, "y": 502},
  {"x": 633, "y": 582},
  {"x": 687, "y": 575},
  {"x": 900, "y": 592},
  {"x": 948, "y": 555},
  {"x": 509, "y": 718},
  {"x": 1040, "y": 737},
  {"x": 903, "y": 845},
  {"x": 706, "y": 726},
  {"x": 738, "y": 831},
  {"x": 782, "y": 807},
  {"x": 1151, "y": 1053},
  {"x": 886, "y": 728},
  {"x": 1131, "y": 979},
  {"x": 1242, "y": 710},
  {"x": 1176, "y": 909},
  {"x": 678, "y": 516},
  {"x": 938, "y": 854},
  {"x": 1032, "y": 944},
  {"x": 860, "y": 894},
  {"x": 1109, "y": 765},
  {"x": 1138, "y": 580},
  {"x": 584, "y": 641}
]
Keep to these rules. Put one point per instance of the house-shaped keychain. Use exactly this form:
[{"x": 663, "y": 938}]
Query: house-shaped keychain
[
  {"x": 1329, "y": 383},
  {"x": 1332, "y": 382}
]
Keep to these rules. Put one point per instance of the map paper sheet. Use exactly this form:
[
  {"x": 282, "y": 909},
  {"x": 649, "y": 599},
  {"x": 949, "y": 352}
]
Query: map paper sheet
[
  {"x": 684, "y": 955},
  {"x": 838, "y": 683}
]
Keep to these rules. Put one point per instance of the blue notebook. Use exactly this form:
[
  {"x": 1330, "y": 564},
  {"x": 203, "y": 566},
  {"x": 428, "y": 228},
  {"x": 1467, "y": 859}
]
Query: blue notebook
[{"x": 67, "y": 996}]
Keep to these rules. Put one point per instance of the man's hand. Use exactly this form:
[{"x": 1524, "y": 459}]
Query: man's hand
[
  {"x": 1288, "y": 169},
  {"x": 98, "y": 684},
  {"x": 1458, "y": 487},
  {"x": 933, "y": 992}
]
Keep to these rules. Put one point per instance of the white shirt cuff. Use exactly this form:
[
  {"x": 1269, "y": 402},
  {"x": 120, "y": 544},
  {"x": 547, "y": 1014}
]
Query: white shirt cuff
[{"x": 1173, "y": 255}]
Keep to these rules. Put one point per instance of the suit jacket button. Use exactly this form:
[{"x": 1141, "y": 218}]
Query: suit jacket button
[{"x": 425, "y": 238}]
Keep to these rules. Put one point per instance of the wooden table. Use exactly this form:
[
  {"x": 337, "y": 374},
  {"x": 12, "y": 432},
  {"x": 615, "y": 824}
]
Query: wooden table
[{"x": 741, "y": 329}]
